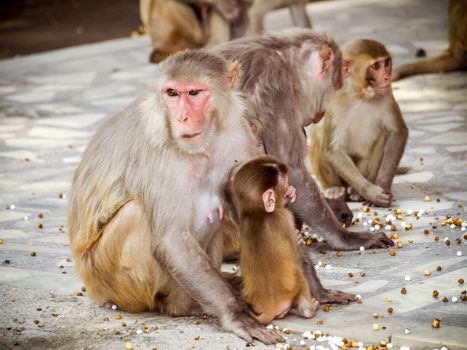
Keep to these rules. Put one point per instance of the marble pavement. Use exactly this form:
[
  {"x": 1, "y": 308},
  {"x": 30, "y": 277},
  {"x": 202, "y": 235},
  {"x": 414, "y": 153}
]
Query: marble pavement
[{"x": 50, "y": 105}]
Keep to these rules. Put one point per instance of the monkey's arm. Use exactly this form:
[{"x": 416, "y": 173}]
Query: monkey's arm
[
  {"x": 345, "y": 168},
  {"x": 310, "y": 206},
  {"x": 229, "y": 9},
  {"x": 189, "y": 265},
  {"x": 396, "y": 139}
]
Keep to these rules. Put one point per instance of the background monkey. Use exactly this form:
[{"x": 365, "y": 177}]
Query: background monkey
[
  {"x": 175, "y": 25},
  {"x": 455, "y": 57},
  {"x": 147, "y": 197},
  {"x": 357, "y": 148},
  {"x": 273, "y": 282}
]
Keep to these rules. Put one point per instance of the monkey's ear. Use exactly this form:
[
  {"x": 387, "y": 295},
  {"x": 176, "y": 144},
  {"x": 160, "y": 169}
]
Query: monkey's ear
[
  {"x": 232, "y": 74},
  {"x": 269, "y": 200},
  {"x": 347, "y": 67},
  {"x": 321, "y": 62},
  {"x": 327, "y": 57}
]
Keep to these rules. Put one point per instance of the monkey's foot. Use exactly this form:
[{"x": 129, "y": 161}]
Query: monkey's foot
[
  {"x": 335, "y": 296},
  {"x": 337, "y": 192},
  {"x": 353, "y": 195}
]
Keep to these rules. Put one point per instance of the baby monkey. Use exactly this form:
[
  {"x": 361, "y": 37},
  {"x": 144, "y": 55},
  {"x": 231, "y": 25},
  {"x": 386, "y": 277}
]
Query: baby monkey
[{"x": 273, "y": 281}]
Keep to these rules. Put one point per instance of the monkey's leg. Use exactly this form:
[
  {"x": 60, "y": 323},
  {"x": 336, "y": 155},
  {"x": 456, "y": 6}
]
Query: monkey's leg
[
  {"x": 304, "y": 305},
  {"x": 122, "y": 269},
  {"x": 322, "y": 294}
]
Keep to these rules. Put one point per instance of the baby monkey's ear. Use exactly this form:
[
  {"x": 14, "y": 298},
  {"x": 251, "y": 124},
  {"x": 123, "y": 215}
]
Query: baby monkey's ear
[{"x": 269, "y": 200}]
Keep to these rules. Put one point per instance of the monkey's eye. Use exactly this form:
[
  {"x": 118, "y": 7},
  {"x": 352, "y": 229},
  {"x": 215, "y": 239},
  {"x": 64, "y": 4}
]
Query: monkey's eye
[
  {"x": 172, "y": 92},
  {"x": 375, "y": 65},
  {"x": 194, "y": 92}
]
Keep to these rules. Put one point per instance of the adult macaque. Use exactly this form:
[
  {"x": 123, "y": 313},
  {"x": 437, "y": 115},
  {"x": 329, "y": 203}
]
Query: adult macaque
[
  {"x": 175, "y": 25},
  {"x": 146, "y": 198},
  {"x": 287, "y": 81},
  {"x": 454, "y": 58},
  {"x": 355, "y": 152},
  {"x": 273, "y": 282}
]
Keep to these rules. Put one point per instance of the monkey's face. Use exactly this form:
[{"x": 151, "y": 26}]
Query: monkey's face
[
  {"x": 378, "y": 77},
  {"x": 189, "y": 114}
]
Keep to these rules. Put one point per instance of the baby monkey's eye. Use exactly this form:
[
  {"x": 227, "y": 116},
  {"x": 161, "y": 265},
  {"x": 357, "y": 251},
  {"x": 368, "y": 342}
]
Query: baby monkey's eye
[
  {"x": 194, "y": 92},
  {"x": 172, "y": 92},
  {"x": 375, "y": 65}
]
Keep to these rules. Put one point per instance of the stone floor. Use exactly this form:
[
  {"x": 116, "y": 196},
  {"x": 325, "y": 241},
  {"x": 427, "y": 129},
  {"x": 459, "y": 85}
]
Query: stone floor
[{"x": 50, "y": 105}]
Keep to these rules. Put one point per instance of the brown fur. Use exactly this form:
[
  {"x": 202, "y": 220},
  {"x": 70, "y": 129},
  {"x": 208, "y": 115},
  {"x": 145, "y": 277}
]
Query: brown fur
[
  {"x": 175, "y": 25},
  {"x": 454, "y": 58},
  {"x": 272, "y": 279},
  {"x": 362, "y": 138},
  {"x": 281, "y": 97},
  {"x": 138, "y": 209}
]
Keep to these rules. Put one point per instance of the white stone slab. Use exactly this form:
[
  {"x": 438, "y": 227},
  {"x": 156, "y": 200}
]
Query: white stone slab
[
  {"x": 10, "y": 127},
  {"x": 83, "y": 78},
  {"x": 45, "y": 186},
  {"x": 441, "y": 127},
  {"x": 4, "y": 136},
  {"x": 46, "y": 281},
  {"x": 416, "y": 177},
  {"x": 74, "y": 121},
  {"x": 31, "y": 97},
  {"x": 62, "y": 239},
  {"x": 37, "y": 143},
  {"x": 12, "y": 234},
  {"x": 56, "y": 133},
  {"x": 21, "y": 155},
  {"x": 460, "y": 196},
  {"x": 422, "y": 150},
  {"x": 59, "y": 108},
  {"x": 449, "y": 138},
  {"x": 416, "y": 133},
  {"x": 57, "y": 87},
  {"x": 71, "y": 160},
  {"x": 8, "y": 215},
  {"x": 455, "y": 149},
  {"x": 7, "y": 89},
  {"x": 367, "y": 287}
]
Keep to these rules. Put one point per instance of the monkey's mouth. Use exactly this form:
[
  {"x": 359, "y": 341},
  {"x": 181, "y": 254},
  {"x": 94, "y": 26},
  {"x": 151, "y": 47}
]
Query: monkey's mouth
[
  {"x": 383, "y": 89},
  {"x": 191, "y": 137}
]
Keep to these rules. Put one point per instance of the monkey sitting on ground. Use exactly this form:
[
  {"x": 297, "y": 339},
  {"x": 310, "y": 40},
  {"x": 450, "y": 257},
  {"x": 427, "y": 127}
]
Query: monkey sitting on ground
[
  {"x": 355, "y": 152},
  {"x": 273, "y": 281},
  {"x": 147, "y": 198},
  {"x": 455, "y": 57}
]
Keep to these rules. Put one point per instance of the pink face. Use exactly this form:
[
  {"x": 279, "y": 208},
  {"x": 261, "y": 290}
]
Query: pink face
[
  {"x": 188, "y": 107},
  {"x": 379, "y": 75}
]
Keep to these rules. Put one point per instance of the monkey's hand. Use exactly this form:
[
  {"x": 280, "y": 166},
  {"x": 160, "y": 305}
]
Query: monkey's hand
[
  {"x": 378, "y": 196},
  {"x": 370, "y": 240},
  {"x": 229, "y": 9},
  {"x": 291, "y": 195},
  {"x": 246, "y": 327}
]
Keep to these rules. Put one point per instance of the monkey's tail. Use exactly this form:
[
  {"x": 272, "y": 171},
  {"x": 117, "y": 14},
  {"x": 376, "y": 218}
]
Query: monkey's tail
[
  {"x": 402, "y": 170},
  {"x": 441, "y": 64}
]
